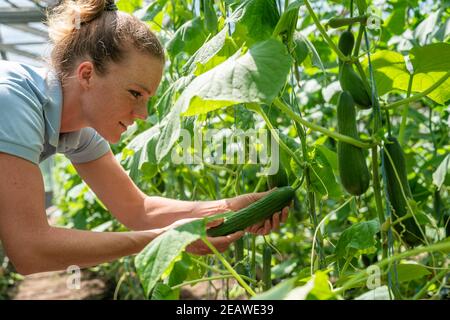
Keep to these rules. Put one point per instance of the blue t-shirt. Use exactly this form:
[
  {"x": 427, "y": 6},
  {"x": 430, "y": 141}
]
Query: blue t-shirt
[{"x": 30, "y": 118}]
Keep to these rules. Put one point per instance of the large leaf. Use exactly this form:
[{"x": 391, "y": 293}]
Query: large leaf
[
  {"x": 257, "y": 76},
  {"x": 396, "y": 21},
  {"x": 323, "y": 180},
  {"x": 411, "y": 271},
  {"x": 188, "y": 38},
  {"x": 429, "y": 63},
  {"x": 278, "y": 292},
  {"x": 257, "y": 21},
  {"x": 360, "y": 236},
  {"x": 208, "y": 50},
  {"x": 161, "y": 253},
  {"x": 317, "y": 288}
]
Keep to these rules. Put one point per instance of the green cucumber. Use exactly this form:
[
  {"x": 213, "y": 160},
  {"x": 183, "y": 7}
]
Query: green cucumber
[
  {"x": 256, "y": 212},
  {"x": 346, "y": 43},
  {"x": 407, "y": 228},
  {"x": 350, "y": 81},
  {"x": 355, "y": 176},
  {"x": 279, "y": 179}
]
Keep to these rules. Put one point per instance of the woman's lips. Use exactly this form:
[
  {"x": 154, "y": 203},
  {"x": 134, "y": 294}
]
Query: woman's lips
[{"x": 123, "y": 126}]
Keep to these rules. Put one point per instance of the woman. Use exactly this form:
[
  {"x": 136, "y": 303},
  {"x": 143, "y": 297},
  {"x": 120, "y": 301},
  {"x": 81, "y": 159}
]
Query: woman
[{"x": 105, "y": 66}]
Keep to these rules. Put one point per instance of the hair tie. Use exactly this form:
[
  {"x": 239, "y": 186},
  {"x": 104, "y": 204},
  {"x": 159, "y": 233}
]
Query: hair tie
[{"x": 111, "y": 6}]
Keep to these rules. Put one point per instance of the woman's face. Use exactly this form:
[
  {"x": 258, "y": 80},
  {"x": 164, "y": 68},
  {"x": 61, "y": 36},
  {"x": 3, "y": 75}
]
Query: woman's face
[{"x": 116, "y": 99}]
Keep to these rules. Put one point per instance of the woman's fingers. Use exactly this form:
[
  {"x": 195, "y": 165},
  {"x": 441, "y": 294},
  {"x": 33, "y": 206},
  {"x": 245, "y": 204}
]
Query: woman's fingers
[
  {"x": 276, "y": 221},
  {"x": 284, "y": 214}
]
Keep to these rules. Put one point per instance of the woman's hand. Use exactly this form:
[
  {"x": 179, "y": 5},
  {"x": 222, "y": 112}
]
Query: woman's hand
[
  {"x": 199, "y": 247},
  {"x": 263, "y": 227}
]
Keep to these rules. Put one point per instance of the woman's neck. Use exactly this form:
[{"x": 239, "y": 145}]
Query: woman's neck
[{"x": 72, "y": 113}]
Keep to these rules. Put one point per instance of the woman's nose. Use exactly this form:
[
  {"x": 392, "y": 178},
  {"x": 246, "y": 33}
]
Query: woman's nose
[{"x": 141, "y": 112}]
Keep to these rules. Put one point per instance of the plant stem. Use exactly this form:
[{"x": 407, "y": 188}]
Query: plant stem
[
  {"x": 229, "y": 267},
  {"x": 260, "y": 111},
  {"x": 362, "y": 275},
  {"x": 324, "y": 33},
  {"x": 423, "y": 291},
  {"x": 419, "y": 95},
  {"x": 358, "y": 40},
  {"x": 378, "y": 200},
  {"x": 401, "y": 133},
  {"x": 288, "y": 111}
]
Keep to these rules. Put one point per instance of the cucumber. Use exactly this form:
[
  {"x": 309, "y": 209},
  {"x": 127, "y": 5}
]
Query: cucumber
[
  {"x": 343, "y": 22},
  {"x": 351, "y": 82},
  {"x": 407, "y": 228},
  {"x": 258, "y": 211},
  {"x": 267, "y": 268},
  {"x": 279, "y": 179},
  {"x": 355, "y": 176},
  {"x": 346, "y": 43}
]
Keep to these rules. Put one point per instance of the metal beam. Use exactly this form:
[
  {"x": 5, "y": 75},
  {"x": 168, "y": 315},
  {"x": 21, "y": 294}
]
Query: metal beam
[
  {"x": 30, "y": 30},
  {"x": 13, "y": 49},
  {"x": 21, "y": 15}
]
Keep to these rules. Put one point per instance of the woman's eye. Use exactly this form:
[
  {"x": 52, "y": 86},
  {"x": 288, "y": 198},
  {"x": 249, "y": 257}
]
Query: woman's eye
[{"x": 134, "y": 93}]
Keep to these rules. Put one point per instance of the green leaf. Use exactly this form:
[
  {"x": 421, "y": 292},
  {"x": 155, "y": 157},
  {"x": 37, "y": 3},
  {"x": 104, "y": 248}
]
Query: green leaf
[
  {"x": 360, "y": 236},
  {"x": 317, "y": 288},
  {"x": 208, "y": 50},
  {"x": 288, "y": 21},
  {"x": 429, "y": 63},
  {"x": 277, "y": 292},
  {"x": 396, "y": 21},
  {"x": 431, "y": 58},
  {"x": 188, "y": 38},
  {"x": 210, "y": 16},
  {"x": 160, "y": 254},
  {"x": 362, "y": 6},
  {"x": 411, "y": 271},
  {"x": 301, "y": 49},
  {"x": 323, "y": 180},
  {"x": 257, "y": 76},
  {"x": 441, "y": 172},
  {"x": 129, "y": 6},
  {"x": 257, "y": 21},
  {"x": 164, "y": 292}
]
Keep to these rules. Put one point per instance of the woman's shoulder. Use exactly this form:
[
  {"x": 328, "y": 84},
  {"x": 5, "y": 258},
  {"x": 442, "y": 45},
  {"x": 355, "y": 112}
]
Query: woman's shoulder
[{"x": 11, "y": 70}]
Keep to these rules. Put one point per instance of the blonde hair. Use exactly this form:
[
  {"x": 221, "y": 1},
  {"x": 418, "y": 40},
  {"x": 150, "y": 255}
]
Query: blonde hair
[{"x": 83, "y": 29}]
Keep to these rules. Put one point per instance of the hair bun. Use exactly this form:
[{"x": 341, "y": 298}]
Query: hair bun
[{"x": 110, "y": 6}]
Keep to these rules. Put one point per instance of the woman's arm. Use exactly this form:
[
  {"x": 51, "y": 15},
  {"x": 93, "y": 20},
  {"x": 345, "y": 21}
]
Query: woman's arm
[
  {"x": 109, "y": 181},
  {"x": 35, "y": 246},
  {"x": 137, "y": 211}
]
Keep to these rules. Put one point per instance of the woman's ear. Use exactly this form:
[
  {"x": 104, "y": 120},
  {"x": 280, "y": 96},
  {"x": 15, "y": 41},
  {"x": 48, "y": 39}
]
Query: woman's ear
[{"x": 85, "y": 73}]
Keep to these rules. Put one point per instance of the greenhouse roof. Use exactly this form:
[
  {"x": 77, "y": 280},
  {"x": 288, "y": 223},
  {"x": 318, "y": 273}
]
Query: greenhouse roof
[{"x": 23, "y": 35}]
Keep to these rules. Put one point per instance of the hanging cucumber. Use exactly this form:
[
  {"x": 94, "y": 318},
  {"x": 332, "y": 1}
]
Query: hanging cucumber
[
  {"x": 279, "y": 179},
  {"x": 355, "y": 176},
  {"x": 346, "y": 42},
  {"x": 407, "y": 228},
  {"x": 258, "y": 211},
  {"x": 350, "y": 81}
]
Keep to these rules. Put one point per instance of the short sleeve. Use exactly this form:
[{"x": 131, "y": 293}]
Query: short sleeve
[
  {"x": 90, "y": 146},
  {"x": 22, "y": 127}
]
